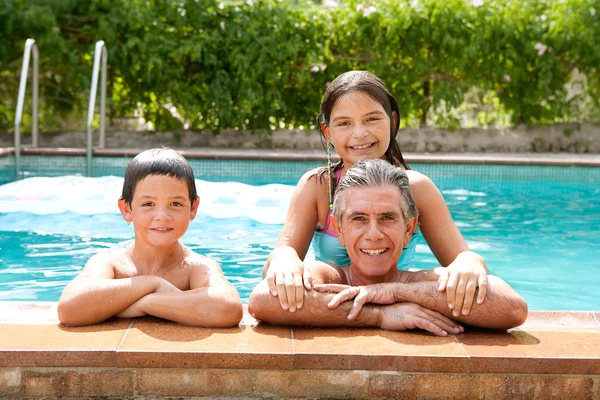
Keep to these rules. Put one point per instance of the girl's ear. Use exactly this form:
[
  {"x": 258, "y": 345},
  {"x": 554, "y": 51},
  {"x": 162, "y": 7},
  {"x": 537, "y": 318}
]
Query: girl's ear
[
  {"x": 326, "y": 133},
  {"x": 194, "y": 209},
  {"x": 125, "y": 209}
]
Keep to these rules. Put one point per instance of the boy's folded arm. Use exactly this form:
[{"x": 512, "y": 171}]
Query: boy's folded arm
[
  {"x": 211, "y": 302},
  {"x": 95, "y": 295}
]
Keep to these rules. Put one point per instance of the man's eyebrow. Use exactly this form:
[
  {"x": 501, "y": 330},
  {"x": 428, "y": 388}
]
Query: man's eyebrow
[{"x": 356, "y": 213}]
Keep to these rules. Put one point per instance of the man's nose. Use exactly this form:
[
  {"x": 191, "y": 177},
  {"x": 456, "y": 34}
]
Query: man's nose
[{"x": 374, "y": 232}]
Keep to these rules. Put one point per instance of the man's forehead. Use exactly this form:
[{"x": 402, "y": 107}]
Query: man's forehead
[{"x": 376, "y": 199}]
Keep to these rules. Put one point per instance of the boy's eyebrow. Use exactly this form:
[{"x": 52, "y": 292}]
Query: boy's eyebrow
[
  {"x": 376, "y": 112},
  {"x": 149, "y": 196}
]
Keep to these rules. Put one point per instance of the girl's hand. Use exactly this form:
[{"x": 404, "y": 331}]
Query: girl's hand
[
  {"x": 287, "y": 278},
  {"x": 461, "y": 279}
]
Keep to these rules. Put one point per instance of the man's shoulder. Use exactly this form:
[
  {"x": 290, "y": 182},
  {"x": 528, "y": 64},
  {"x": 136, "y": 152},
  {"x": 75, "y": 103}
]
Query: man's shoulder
[{"x": 322, "y": 272}]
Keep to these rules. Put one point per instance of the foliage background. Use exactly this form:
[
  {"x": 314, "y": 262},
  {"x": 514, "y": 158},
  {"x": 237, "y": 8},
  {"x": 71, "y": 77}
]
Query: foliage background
[{"x": 197, "y": 64}]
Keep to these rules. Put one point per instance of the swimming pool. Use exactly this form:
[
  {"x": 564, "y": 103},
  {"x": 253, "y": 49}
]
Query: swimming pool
[{"x": 537, "y": 227}]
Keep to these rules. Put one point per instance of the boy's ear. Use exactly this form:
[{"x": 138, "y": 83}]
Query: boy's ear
[
  {"x": 338, "y": 230},
  {"x": 194, "y": 209},
  {"x": 125, "y": 209},
  {"x": 410, "y": 227},
  {"x": 326, "y": 133}
]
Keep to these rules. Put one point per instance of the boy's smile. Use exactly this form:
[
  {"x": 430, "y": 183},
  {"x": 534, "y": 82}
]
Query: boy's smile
[{"x": 160, "y": 210}]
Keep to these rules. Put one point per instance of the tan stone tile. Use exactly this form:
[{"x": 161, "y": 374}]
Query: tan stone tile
[
  {"x": 10, "y": 381},
  {"x": 194, "y": 382},
  {"x": 376, "y": 349},
  {"x": 396, "y": 385},
  {"x": 58, "y": 345},
  {"x": 159, "y": 344},
  {"x": 532, "y": 352},
  {"x": 524, "y": 387},
  {"x": 79, "y": 383},
  {"x": 312, "y": 384},
  {"x": 561, "y": 321}
]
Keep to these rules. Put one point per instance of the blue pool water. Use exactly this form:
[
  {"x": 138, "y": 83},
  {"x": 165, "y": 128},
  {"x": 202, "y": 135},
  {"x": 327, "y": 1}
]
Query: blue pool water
[{"x": 539, "y": 232}]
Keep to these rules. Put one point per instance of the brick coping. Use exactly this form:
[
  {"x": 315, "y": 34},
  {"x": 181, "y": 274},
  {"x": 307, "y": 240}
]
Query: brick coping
[
  {"x": 550, "y": 342},
  {"x": 541, "y": 159}
]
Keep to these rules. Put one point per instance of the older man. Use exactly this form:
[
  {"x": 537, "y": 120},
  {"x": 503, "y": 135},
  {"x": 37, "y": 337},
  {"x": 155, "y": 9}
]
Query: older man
[{"x": 375, "y": 215}]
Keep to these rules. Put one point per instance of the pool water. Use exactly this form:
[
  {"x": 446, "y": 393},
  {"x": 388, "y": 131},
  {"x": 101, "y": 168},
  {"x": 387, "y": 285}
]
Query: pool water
[{"x": 541, "y": 236}]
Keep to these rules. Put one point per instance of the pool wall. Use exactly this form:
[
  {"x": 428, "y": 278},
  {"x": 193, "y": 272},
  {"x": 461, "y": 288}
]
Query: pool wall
[{"x": 553, "y": 355}]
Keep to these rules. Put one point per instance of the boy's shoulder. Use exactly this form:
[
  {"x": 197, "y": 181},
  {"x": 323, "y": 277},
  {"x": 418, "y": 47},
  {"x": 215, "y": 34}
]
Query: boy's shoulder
[{"x": 197, "y": 260}]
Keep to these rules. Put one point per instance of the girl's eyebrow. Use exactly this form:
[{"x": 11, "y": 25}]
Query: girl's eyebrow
[{"x": 369, "y": 114}]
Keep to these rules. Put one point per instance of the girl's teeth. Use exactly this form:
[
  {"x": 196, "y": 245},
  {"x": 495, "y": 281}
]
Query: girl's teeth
[{"x": 362, "y": 147}]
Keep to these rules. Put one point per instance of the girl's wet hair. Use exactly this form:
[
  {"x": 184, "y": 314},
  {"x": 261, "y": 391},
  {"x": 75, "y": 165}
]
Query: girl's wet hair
[
  {"x": 158, "y": 162},
  {"x": 367, "y": 83}
]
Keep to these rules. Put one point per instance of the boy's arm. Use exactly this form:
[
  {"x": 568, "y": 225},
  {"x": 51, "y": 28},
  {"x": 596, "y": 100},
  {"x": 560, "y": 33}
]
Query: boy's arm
[
  {"x": 95, "y": 295},
  {"x": 314, "y": 312},
  {"x": 211, "y": 301}
]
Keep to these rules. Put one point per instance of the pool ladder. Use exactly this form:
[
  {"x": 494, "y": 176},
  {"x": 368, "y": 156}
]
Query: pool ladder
[{"x": 100, "y": 54}]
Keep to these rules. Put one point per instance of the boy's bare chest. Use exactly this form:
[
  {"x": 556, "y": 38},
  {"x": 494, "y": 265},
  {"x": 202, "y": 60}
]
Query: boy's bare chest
[{"x": 178, "y": 276}]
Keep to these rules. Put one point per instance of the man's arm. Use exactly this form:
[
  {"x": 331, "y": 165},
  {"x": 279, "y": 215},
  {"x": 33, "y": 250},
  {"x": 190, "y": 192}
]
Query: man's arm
[
  {"x": 211, "y": 302},
  {"x": 314, "y": 312},
  {"x": 502, "y": 308},
  {"x": 95, "y": 295}
]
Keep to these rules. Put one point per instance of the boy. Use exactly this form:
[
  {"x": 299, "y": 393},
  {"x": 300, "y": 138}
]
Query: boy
[{"x": 156, "y": 275}]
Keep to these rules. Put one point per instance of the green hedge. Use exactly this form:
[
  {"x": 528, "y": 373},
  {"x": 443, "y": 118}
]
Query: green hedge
[{"x": 260, "y": 64}]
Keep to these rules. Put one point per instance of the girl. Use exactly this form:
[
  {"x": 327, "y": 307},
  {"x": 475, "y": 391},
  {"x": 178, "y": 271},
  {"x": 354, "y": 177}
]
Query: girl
[{"x": 360, "y": 119}]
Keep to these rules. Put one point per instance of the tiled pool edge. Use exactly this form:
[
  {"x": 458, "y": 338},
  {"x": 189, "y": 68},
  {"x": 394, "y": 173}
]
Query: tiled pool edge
[
  {"x": 553, "y": 354},
  {"x": 541, "y": 159}
]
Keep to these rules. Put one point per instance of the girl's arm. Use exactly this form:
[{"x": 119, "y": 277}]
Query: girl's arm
[
  {"x": 284, "y": 270},
  {"x": 466, "y": 270}
]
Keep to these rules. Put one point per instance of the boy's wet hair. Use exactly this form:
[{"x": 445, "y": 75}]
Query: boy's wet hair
[
  {"x": 367, "y": 83},
  {"x": 162, "y": 161}
]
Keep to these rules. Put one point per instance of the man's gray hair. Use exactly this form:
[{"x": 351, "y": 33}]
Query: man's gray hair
[{"x": 374, "y": 173}]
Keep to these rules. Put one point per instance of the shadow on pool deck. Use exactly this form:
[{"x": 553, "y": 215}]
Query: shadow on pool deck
[{"x": 553, "y": 355}]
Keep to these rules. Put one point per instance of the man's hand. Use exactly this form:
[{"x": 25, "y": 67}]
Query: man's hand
[
  {"x": 381, "y": 293},
  {"x": 400, "y": 316},
  {"x": 287, "y": 279},
  {"x": 461, "y": 279},
  {"x": 403, "y": 316}
]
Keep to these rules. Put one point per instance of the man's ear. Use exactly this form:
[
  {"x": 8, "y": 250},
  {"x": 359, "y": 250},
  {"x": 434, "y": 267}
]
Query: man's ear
[
  {"x": 194, "y": 208},
  {"x": 337, "y": 228},
  {"x": 125, "y": 209},
  {"x": 410, "y": 227},
  {"x": 326, "y": 133}
]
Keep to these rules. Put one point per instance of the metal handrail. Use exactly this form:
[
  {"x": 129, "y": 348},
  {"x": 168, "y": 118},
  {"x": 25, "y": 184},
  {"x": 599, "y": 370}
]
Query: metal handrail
[
  {"x": 100, "y": 51},
  {"x": 30, "y": 47}
]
